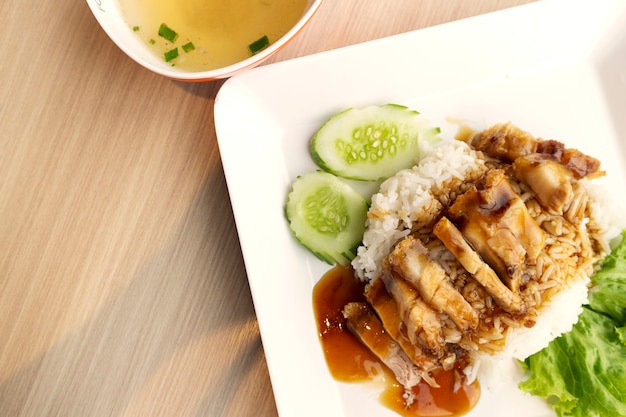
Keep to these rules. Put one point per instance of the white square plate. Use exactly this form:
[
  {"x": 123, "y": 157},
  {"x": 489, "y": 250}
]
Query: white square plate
[{"x": 554, "y": 68}]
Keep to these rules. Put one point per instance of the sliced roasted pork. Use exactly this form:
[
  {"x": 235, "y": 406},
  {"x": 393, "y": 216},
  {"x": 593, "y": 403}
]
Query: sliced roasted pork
[
  {"x": 423, "y": 326},
  {"x": 507, "y": 142},
  {"x": 453, "y": 240},
  {"x": 579, "y": 164},
  {"x": 550, "y": 180},
  {"x": 504, "y": 141},
  {"x": 387, "y": 311},
  {"x": 411, "y": 261},
  {"x": 364, "y": 324},
  {"x": 496, "y": 222}
]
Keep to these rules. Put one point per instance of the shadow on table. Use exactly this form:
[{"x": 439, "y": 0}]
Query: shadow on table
[{"x": 164, "y": 328}]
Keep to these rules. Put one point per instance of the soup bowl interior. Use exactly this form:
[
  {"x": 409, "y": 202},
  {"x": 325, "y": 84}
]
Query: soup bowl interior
[{"x": 110, "y": 17}]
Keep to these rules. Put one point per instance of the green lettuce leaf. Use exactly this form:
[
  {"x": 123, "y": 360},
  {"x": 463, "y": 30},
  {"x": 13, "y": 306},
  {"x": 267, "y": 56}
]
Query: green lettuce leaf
[
  {"x": 608, "y": 294},
  {"x": 621, "y": 331},
  {"x": 583, "y": 373}
]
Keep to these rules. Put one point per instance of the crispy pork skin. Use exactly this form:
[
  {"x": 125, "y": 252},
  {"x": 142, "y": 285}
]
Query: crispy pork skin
[
  {"x": 578, "y": 163},
  {"x": 504, "y": 141},
  {"x": 581, "y": 165}
]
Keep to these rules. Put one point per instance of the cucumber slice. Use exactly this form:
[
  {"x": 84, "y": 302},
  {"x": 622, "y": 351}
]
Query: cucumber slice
[
  {"x": 371, "y": 143},
  {"x": 327, "y": 216}
]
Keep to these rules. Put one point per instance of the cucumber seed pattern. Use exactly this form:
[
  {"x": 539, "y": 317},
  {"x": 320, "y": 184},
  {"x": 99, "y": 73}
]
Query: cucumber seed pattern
[
  {"x": 372, "y": 143},
  {"x": 327, "y": 211}
]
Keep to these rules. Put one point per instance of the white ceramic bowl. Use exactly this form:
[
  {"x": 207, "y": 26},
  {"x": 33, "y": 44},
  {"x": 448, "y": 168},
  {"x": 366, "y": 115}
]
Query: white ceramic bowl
[{"x": 109, "y": 16}]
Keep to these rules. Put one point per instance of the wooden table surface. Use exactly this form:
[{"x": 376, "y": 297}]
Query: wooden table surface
[{"x": 122, "y": 285}]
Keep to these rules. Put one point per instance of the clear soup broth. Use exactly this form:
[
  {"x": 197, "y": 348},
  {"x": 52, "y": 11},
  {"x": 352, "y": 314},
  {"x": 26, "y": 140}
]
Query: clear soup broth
[{"x": 209, "y": 34}]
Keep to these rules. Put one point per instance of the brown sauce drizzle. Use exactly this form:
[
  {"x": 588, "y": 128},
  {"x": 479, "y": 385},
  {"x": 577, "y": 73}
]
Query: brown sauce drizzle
[{"x": 349, "y": 361}]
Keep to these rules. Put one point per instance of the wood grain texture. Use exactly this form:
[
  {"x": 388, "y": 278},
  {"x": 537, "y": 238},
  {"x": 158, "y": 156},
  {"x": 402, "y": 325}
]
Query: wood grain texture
[{"x": 122, "y": 286}]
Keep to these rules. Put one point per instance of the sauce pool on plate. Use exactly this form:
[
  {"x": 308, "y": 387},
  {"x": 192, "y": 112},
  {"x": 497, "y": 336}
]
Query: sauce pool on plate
[
  {"x": 350, "y": 361},
  {"x": 210, "y": 33}
]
